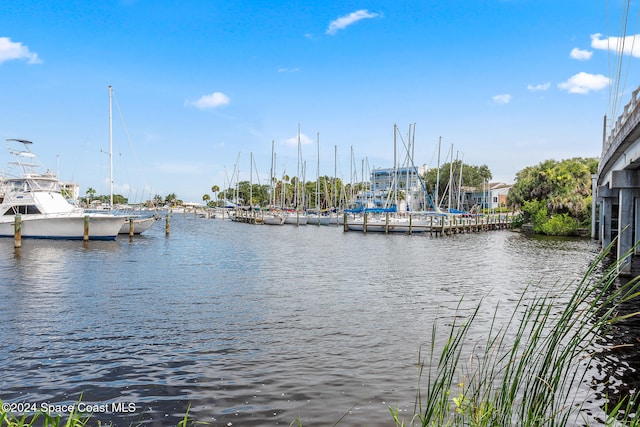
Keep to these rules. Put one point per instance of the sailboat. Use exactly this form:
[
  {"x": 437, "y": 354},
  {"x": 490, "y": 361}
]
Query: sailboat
[
  {"x": 314, "y": 218},
  {"x": 387, "y": 218},
  {"x": 272, "y": 217},
  {"x": 296, "y": 216},
  {"x": 135, "y": 223}
]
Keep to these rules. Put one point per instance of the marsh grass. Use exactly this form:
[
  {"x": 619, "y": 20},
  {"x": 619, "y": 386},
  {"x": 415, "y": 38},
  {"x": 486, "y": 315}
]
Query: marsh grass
[{"x": 528, "y": 372}]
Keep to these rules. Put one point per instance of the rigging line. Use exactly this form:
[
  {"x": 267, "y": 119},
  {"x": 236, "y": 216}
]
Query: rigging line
[
  {"x": 126, "y": 130},
  {"x": 622, "y": 53},
  {"x": 611, "y": 108},
  {"x": 620, "y": 50},
  {"x": 633, "y": 41}
]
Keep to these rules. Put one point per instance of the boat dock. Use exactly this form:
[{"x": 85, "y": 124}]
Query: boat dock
[{"x": 434, "y": 225}]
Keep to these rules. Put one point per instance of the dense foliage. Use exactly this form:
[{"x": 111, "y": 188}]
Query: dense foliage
[{"x": 555, "y": 197}]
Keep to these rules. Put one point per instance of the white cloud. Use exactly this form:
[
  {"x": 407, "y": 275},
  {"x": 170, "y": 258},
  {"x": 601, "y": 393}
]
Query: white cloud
[
  {"x": 215, "y": 100},
  {"x": 629, "y": 45},
  {"x": 580, "y": 55},
  {"x": 584, "y": 83},
  {"x": 344, "y": 21},
  {"x": 539, "y": 88},
  {"x": 293, "y": 141},
  {"x": 15, "y": 50},
  {"x": 504, "y": 98}
]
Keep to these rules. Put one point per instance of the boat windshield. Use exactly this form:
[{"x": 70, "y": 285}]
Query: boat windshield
[{"x": 34, "y": 185}]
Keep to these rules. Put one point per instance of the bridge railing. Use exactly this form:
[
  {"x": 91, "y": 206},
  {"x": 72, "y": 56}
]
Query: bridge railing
[{"x": 625, "y": 123}]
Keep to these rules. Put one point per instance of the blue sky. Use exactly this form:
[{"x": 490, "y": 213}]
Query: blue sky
[{"x": 200, "y": 84}]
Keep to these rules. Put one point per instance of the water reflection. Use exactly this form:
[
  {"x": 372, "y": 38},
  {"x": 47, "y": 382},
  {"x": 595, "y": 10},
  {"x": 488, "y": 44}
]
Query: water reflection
[
  {"x": 617, "y": 359},
  {"x": 252, "y": 325}
]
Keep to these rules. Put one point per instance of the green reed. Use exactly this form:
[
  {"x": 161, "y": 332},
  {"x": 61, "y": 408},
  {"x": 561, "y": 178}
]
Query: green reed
[{"x": 527, "y": 372}]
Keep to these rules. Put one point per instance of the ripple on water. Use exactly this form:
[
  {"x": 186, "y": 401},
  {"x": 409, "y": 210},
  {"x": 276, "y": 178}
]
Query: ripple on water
[{"x": 252, "y": 325}]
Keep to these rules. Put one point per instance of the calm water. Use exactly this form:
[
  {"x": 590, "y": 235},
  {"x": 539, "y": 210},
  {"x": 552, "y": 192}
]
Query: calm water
[{"x": 250, "y": 325}]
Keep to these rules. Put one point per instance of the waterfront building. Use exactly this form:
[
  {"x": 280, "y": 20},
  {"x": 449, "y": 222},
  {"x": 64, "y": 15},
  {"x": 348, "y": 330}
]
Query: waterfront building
[{"x": 379, "y": 192}]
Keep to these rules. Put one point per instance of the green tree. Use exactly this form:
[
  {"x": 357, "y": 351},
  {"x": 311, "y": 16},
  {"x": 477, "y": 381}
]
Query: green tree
[
  {"x": 171, "y": 199},
  {"x": 472, "y": 176},
  {"x": 215, "y": 189},
  {"x": 555, "y": 196},
  {"x": 157, "y": 200},
  {"x": 90, "y": 193}
]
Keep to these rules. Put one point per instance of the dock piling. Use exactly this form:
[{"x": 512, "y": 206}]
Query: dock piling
[
  {"x": 85, "y": 237},
  {"x": 17, "y": 231}
]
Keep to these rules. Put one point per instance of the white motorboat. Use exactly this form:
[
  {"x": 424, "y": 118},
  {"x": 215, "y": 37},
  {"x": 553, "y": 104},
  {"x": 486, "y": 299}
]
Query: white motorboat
[{"x": 44, "y": 212}]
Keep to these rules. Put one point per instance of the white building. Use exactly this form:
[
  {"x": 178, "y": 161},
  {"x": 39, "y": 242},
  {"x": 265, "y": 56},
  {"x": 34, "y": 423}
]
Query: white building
[{"x": 407, "y": 182}]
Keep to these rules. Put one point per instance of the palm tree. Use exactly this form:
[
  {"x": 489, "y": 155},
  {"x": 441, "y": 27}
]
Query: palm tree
[
  {"x": 171, "y": 199},
  {"x": 90, "y": 193},
  {"x": 215, "y": 190},
  {"x": 206, "y": 199}
]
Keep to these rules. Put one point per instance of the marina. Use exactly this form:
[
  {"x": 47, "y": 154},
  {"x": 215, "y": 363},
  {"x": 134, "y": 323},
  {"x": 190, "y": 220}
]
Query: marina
[{"x": 252, "y": 325}]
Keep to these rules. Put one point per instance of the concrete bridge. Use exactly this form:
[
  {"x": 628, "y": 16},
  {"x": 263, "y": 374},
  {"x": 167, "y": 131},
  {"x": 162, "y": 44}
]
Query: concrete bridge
[{"x": 616, "y": 209}]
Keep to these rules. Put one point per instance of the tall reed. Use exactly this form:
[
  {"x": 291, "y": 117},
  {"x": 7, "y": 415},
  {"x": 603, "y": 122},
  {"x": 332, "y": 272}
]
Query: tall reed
[{"x": 529, "y": 371}]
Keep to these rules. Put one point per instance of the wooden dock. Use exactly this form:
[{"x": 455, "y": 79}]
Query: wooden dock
[
  {"x": 248, "y": 217},
  {"x": 434, "y": 225}
]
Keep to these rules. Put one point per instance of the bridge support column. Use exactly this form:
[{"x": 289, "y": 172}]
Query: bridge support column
[
  {"x": 628, "y": 184},
  {"x": 594, "y": 210},
  {"x": 625, "y": 229},
  {"x": 607, "y": 199}
]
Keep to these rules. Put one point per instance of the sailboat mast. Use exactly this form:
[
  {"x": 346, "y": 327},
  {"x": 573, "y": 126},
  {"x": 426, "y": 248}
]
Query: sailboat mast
[
  {"x": 297, "y": 194},
  {"x": 110, "y": 148},
  {"x": 395, "y": 169},
  {"x": 460, "y": 183},
  {"x": 351, "y": 177},
  {"x": 335, "y": 175},
  {"x": 450, "y": 177},
  {"x": 272, "y": 196},
  {"x": 318, "y": 176},
  {"x": 437, "y": 204}
]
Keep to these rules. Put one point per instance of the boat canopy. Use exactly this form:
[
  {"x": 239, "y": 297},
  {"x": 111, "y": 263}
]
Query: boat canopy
[{"x": 381, "y": 210}]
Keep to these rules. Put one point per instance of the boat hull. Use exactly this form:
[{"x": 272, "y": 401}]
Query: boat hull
[
  {"x": 295, "y": 219},
  {"x": 62, "y": 226},
  {"x": 273, "y": 220},
  {"x": 140, "y": 225}
]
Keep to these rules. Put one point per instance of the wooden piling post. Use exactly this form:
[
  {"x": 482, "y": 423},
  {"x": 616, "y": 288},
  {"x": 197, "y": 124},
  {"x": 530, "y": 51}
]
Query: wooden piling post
[
  {"x": 364, "y": 223},
  {"x": 167, "y": 226},
  {"x": 86, "y": 228},
  {"x": 17, "y": 231},
  {"x": 130, "y": 226},
  {"x": 344, "y": 223},
  {"x": 431, "y": 225},
  {"x": 386, "y": 223},
  {"x": 410, "y": 226}
]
